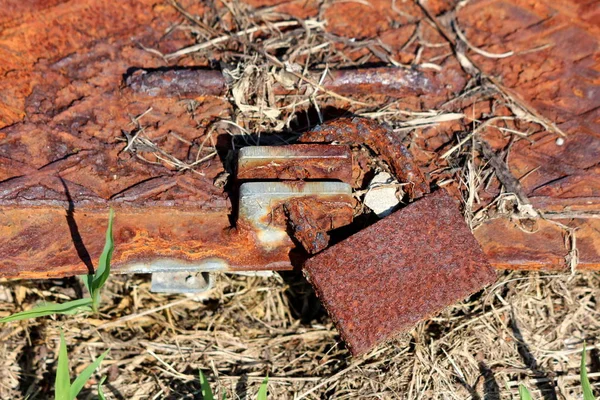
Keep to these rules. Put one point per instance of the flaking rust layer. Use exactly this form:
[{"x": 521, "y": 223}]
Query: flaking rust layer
[
  {"x": 379, "y": 139},
  {"x": 406, "y": 267}
]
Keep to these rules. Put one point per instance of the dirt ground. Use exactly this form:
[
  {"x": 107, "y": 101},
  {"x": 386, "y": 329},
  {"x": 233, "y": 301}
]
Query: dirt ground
[{"x": 528, "y": 328}]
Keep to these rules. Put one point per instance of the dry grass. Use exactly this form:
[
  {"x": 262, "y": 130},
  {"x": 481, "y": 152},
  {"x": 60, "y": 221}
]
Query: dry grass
[{"x": 527, "y": 328}]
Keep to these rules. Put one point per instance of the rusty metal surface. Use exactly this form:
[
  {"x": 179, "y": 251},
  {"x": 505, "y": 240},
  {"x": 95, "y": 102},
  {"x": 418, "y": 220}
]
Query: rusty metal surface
[
  {"x": 555, "y": 47},
  {"x": 42, "y": 242},
  {"x": 538, "y": 245},
  {"x": 67, "y": 118},
  {"x": 270, "y": 210},
  {"x": 379, "y": 139},
  {"x": 393, "y": 82},
  {"x": 410, "y": 266},
  {"x": 63, "y": 116},
  {"x": 295, "y": 162},
  {"x": 549, "y": 61},
  {"x": 194, "y": 82},
  {"x": 550, "y": 52},
  {"x": 544, "y": 55},
  {"x": 284, "y": 205},
  {"x": 184, "y": 82},
  {"x": 309, "y": 225}
]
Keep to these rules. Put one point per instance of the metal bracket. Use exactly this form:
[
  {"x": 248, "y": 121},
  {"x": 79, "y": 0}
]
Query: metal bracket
[
  {"x": 276, "y": 201},
  {"x": 181, "y": 282}
]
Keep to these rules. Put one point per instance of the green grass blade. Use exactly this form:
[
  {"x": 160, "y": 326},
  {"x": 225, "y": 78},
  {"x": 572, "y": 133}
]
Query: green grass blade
[
  {"x": 87, "y": 281},
  {"x": 100, "y": 390},
  {"x": 70, "y": 307},
  {"x": 62, "y": 382},
  {"x": 207, "y": 393},
  {"x": 524, "y": 393},
  {"x": 588, "y": 394},
  {"x": 262, "y": 391},
  {"x": 103, "y": 270},
  {"x": 78, "y": 383}
]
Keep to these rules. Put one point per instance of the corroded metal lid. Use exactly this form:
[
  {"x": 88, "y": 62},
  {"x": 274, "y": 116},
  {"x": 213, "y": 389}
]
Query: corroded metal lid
[{"x": 404, "y": 268}]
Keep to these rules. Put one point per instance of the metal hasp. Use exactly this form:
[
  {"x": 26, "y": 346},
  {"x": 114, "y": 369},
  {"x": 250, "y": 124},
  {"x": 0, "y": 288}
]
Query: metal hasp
[
  {"x": 274, "y": 210},
  {"x": 273, "y": 213},
  {"x": 310, "y": 209},
  {"x": 410, "y": 266}
]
